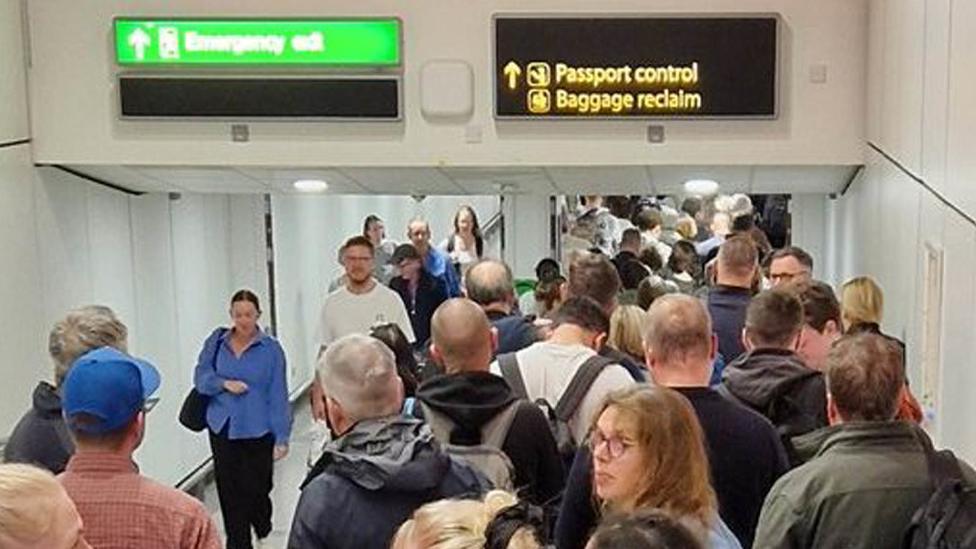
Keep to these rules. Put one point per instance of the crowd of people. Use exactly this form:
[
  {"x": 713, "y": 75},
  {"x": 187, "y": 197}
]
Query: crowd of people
[{"x": 677, "y": 379}]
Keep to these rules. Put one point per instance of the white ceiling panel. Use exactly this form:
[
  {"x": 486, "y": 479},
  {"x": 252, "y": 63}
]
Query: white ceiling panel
[
  {"x": 802, "y": 179},
  {"x": 671, "y": 179},
  {"x": 403, "y": 181},
  {"x": 206, "y": 180},
  {"x": 495, "y": 180},
  {"x": 127, "y": 178},
  {"x": 282, "y": 179},
  {"x": 600, "y": 179}
]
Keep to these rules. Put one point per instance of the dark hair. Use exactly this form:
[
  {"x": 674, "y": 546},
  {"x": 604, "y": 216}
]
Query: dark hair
[
  {"x": 692, "y": 205},
  {"x": 819, "y": 304},
  {"x": 684, "y": 259},
  {"x": 643, "y": 529},
  {"x": 246, "y": 295},
  {"x": 547, "y": 269},
  {"x": 584, "y": 312},
  {"x": 773, "y": 318},
  {"x": 358, "y": 240},
  {"x": 631, "y": 274},
  {"x": 652, "y": 258},
  {"x": 479, "y": 241},
  {"x": 594, "y": 276},
  {"x": 548, "y": 292},
  {"x": 371, "y": 218},
  {"x": 648, "y": 218},
  {"x": 743, "y": 223},
  {"x": 649, "y": 290},
  {"x": 394, "y": 338},
  {"x": 800, "y": 254},
  {"x": 865, "y": 377},
  {"x": 630, "y": 236},
  {"x": 620, "y": 206}
]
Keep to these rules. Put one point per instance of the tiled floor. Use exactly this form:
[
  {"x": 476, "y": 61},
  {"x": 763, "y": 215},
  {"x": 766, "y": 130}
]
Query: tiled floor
[{"x": 288, "y": 475}]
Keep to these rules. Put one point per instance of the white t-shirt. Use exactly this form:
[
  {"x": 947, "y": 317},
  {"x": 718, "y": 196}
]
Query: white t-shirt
[
  {"x": 547, "y": 369},
  {"x": 344, "y": 313}
]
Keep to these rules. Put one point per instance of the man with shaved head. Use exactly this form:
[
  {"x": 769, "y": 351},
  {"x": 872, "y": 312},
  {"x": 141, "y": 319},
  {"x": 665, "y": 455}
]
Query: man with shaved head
[
  {"x": 489, "y": 283},
  {"x": 468, "y": 404},
  {"x": 745, "y": 453},
  {"x": 382, "y": 466}
]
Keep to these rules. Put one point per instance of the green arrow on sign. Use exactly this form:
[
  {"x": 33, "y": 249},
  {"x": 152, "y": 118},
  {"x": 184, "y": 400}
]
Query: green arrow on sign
[{"x": 331, "y": 42}]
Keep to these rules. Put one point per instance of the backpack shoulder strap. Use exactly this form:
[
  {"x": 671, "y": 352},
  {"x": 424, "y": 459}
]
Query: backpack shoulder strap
[
  {"x": 508, "y": 364},
  {"x": 580, "y": 384},
  {"x": 496, "y": 430},
  {"x": 440, "y": 424}
]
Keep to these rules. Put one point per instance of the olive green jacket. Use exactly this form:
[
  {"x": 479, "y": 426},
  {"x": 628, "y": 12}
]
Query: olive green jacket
[{"x": 860, "y": 489}]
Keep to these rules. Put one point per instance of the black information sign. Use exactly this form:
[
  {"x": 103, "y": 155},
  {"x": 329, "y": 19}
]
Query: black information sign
[
  {"x": 344, "y": 98},
  {"x": 635, "y": 67}
]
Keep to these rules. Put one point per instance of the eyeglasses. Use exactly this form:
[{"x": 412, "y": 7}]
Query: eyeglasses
[
  {"x": 149, "y": 404},
  {"x": 614, "y": 445}
]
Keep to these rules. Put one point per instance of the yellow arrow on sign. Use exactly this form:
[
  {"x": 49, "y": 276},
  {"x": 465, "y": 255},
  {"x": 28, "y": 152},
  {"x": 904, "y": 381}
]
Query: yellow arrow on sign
[{"x": 512, "y": 71}]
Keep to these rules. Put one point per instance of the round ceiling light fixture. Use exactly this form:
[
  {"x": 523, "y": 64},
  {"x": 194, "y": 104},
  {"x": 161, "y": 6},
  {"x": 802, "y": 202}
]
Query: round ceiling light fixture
[
  {"x": 310, "y": 185},
  {"x": 701, "y": 187}
]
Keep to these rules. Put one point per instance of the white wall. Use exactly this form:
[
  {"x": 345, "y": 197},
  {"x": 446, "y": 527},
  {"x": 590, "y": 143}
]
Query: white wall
[
  {"x": 308, "y": 231},
  {"x": 73, "y": 78},
  {"x": 922, "y": 98}
]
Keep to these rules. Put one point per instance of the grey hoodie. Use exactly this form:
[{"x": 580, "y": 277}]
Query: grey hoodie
[
  {"x": 777, "y": 384},
  {"x": 370, "y": 480}
]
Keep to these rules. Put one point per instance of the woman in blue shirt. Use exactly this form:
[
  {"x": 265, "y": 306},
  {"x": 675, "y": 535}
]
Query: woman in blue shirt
[{"x": 242, "y": 370}]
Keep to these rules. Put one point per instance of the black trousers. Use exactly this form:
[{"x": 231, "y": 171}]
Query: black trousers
[{"x": 244, "y": 469}]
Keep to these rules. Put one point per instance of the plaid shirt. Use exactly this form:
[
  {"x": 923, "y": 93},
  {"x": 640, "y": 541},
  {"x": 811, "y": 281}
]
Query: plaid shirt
[{"x": 121, "y": 509}]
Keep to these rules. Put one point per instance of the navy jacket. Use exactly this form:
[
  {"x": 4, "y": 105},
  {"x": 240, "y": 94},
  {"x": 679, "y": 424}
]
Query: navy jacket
[
  {"x": 727, "y": 307},
  {"x": 370, "y": 480},
  {"x": 515, "y": 332},
  {"x": 420, "y": 306}
]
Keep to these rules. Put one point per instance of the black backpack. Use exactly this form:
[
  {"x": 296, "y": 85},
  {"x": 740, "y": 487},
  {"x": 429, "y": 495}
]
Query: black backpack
[
  {"x": 948, "y": 518},
  {"x": 569, "y": 402}
]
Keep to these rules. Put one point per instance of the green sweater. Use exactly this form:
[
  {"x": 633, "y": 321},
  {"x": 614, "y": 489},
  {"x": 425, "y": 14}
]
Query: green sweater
[{"x": 861, "y": 488}]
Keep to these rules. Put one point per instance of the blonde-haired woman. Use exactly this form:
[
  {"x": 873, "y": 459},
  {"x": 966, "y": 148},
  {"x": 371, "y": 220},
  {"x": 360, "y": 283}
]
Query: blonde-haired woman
[
  {"x": 498, "y": 522},
  {"x": 861, "y": 309},
  {"x": 649, "y": 452},
  {"x": 625, "y": 331}
]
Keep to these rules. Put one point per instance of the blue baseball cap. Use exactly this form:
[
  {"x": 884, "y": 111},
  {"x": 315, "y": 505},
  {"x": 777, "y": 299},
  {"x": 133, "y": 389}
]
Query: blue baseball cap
[{"x": 109, "y": 386}]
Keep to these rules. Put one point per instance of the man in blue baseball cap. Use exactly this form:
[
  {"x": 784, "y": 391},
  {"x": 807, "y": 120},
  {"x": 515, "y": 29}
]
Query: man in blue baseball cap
[{"x": 106, "y": 396}]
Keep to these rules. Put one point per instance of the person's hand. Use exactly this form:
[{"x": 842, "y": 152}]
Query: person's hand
[
  {"x": 236, "y": 387},
  {"x": 280, "y": 451}
]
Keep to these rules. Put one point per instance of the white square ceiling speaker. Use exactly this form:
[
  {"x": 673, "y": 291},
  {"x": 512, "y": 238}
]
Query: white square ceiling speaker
[{"x": 447, "y": 89}]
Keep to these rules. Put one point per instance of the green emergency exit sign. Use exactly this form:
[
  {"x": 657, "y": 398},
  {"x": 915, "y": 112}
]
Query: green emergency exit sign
[{"x": 211, "y": 42}]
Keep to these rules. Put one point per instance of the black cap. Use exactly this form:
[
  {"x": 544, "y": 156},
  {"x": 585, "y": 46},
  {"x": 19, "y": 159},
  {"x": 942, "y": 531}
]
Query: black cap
[{"x": 404, "y": 251}]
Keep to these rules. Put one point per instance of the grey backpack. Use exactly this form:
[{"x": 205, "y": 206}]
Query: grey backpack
[{"x": 487, "y": 458}]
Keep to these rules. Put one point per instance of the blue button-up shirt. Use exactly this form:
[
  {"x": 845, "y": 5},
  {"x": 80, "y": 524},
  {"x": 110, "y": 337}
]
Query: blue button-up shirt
[
  {"x": 438, "y": 264},
  {"x": 263, "y": 408}
]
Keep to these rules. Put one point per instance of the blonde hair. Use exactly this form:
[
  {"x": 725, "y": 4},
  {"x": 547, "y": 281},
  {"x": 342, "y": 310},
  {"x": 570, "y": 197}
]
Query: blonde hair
[
  {"x": 28, "y": 497},
  {"x": 672, "y": 446},
  {"x": 686, "y": 227},
  {"x": 81, "y": 331},
  {"x": 625, "y": 330},
  {"x": 460, "y": 524},
  {"x": 861, "y": 301}
]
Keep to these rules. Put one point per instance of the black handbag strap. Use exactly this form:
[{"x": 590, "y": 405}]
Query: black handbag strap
[
  {"x": 509, "y": 366},
  {"x": 580, "y": 385}
]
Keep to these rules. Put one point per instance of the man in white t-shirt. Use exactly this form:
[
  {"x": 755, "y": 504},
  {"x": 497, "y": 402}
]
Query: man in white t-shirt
[
  {"x": 357, "y": 305},
  {"x": 548, "y": 367}
]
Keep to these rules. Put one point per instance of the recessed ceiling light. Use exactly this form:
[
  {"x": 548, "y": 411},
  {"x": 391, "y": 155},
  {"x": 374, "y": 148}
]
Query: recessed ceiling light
[
  {"x": 703, "y": 187},
  {"x": 310, "y": 185}
]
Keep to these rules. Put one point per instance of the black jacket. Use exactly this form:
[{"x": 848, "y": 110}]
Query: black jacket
[
  {"x": 471, "y": 400},
  {"x": 777, "y": 384},
  {"x": 41, "y": 436},
  {"x": 746, "y": 459},
  {"x": 727, "y": 306},
  {"x": 370, "y": 480},
  {"x": 420, "y": 306}
]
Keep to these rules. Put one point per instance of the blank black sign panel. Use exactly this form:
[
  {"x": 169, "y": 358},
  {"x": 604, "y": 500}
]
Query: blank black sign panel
[
  {"x": 635, "y": 67},
  {"x": 347, "y": 98}
]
